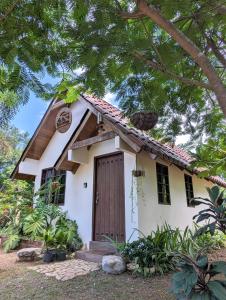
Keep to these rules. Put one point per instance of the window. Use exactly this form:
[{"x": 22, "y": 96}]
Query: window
[
  {"x": 163, "y": 184},
  {"x": 188, "y": 189},
  {"x": 57, "y": 196}
]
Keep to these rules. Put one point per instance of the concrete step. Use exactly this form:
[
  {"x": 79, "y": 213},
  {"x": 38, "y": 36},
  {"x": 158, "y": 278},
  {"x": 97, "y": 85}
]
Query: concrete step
[
  {"x": 105, "y": 247},
  {"x": 90, "y": 256}
]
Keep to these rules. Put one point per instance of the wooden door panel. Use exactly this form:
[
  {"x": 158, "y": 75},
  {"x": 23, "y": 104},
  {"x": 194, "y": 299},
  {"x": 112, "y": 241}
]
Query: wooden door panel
[{"x": 109, "y": 206}]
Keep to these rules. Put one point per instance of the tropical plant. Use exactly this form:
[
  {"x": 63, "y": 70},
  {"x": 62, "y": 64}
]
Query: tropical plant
[
  {"x": 12, "y": 241},
  {"x": 214, "y": 214},
  {"x": 194, "y": 280},
  {"x": 155, "y": 253}
]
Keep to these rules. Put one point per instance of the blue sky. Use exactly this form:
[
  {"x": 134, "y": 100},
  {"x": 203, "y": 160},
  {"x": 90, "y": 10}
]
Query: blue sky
[{"x": 29, "y": 115}]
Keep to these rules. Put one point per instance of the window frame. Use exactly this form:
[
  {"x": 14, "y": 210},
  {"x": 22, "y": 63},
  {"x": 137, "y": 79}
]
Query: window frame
[
  {"x": 189, "y": 190},
  {"x": 162, "y": 173},
  {"x": 55, "y": 174}
]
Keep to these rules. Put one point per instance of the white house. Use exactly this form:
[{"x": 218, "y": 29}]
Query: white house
[{"x": 115, "y": 178}]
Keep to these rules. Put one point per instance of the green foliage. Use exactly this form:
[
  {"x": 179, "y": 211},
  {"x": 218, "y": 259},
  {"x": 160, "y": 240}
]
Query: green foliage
[
  {"x": 195, "y": 277},
  {"x": 12, "y": 242},
  {"x": 93, "y": 37},
  {"x": 154, "y": 254},
  {"x": 214, "y": 214},
  {"x": 15, "y": 196},
  {"x": 211, "y": 155},
  {"x": 49, "y": 224},
  {"x": 194, "y": 280}
]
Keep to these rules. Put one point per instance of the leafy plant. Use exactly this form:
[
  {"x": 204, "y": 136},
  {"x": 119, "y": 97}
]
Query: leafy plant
[
  {"x": 194, "y": 280},
  {"x": 12, "y": 241},
  {"x": 155, "y": 253},
  {"x": 214, "y": 214}
]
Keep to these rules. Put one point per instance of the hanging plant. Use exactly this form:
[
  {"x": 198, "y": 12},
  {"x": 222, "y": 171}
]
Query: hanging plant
[{"x": 144, "y": 120}]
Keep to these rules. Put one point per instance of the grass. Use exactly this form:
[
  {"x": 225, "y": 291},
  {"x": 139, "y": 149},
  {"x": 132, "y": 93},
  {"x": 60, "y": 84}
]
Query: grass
[
  {"x": 17, "y": 282},
  {"x": 26, "y": 284}
]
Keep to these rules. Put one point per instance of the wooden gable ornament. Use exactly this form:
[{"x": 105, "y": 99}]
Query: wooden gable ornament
[{"x": 63, "y": 120}]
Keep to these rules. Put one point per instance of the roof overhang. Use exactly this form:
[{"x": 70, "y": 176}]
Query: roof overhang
[{"x": 40, "y": 138}]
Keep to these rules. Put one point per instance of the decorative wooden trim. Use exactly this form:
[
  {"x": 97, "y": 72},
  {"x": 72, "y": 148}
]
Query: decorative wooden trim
[
  {"x": 57, "y": 104},
  {"x": 63, "y": 120},
  {"x": 123, "y": 136},
  {"x": 72, "y": 140},
  {"x": 14, "y": 173},
  {"x": 93, "y": 140}
]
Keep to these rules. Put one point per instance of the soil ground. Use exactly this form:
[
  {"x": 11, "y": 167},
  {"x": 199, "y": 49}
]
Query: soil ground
[{"x": 17, "y": 282}]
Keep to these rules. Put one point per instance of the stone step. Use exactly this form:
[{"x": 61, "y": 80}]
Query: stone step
[
  {"x": 90, "y": 256},
  {"x": 105, "y": 247}
]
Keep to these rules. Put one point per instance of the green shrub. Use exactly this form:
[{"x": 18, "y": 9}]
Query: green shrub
[
  {"x": 154, "y": 254},
  {"x": 50, "y": 224},
  {"x": 45, "y": 222}
]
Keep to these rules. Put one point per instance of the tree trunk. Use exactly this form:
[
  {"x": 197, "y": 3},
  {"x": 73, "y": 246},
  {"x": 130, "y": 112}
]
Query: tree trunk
[{"x": 199, "y": 57}]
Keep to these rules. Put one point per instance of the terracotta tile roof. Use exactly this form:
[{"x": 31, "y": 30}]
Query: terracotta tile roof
[{"x": 174, "y": 154}]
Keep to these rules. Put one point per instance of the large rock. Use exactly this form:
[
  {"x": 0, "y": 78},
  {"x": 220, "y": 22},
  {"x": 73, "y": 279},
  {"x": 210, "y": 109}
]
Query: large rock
[
  {"x": 29, "y": 254},
  {"x": 113, "y": 264}
]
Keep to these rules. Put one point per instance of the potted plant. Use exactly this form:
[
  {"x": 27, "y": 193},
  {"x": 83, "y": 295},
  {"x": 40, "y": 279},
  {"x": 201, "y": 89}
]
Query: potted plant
[
  {"x": 61, "y": 240},
  {"x": 49, "y": 246}
]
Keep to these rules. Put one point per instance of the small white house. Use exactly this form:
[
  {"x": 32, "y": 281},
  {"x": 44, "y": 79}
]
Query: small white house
[{"x": 114, "y": 178}]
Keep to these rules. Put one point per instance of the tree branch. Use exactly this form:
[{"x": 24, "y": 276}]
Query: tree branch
[
  {"x": 215, "y": 50},
  {"x": 135, "y": 15},
  {"x": 162, "y": 69},
  {"x": 221, "y": 9},
  {"x": 198, "y": 56},
  {"x": 9, "y": 10}
]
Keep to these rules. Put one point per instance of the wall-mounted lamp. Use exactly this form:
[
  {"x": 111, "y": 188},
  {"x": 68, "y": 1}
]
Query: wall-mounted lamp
[{"x": 138, "y": 173}]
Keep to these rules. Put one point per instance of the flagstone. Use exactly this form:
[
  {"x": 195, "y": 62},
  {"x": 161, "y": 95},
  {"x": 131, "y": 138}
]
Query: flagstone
[{"x": 66, "y": 270}]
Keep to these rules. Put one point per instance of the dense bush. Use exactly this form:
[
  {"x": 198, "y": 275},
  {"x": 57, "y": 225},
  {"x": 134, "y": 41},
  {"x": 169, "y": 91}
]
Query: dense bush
[
  {"x": 45, "y": 222},
  {"x": 156, "y": 252}
]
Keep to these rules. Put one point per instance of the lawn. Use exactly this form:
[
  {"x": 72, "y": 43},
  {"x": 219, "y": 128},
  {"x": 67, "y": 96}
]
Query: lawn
[{"x": 17, "y": 282}]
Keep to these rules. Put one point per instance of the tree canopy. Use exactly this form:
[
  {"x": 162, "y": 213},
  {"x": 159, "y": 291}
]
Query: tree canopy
[
  {"x": 164, "y": 56},
  {"x": 29, "y": 48}
]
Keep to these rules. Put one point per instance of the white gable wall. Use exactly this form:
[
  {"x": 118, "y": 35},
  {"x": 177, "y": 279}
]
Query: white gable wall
[
  {"x": 151, "y": 213},
  {"x": 58, "y": 142}
]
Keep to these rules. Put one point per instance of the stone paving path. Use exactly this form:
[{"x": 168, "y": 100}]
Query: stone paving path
[{"x": 66, "y": 270}]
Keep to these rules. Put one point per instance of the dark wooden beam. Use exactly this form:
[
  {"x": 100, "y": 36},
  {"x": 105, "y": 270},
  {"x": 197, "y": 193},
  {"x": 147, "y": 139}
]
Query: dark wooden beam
[{"x": 93, "y": 140}]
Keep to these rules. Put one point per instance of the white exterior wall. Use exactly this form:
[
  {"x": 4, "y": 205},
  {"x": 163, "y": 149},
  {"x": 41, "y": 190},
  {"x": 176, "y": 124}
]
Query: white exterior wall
[
  {"x": 79, "y": 200},
  {"x": 178, "y": 214},
  {"x": 142, "y": 210}
]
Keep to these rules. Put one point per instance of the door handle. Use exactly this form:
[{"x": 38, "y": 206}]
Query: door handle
[{"x": 97, "y": 198}]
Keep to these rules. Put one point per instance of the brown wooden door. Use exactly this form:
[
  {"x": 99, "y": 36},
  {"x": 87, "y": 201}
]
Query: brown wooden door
[{"x": 109, "y": 206}]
